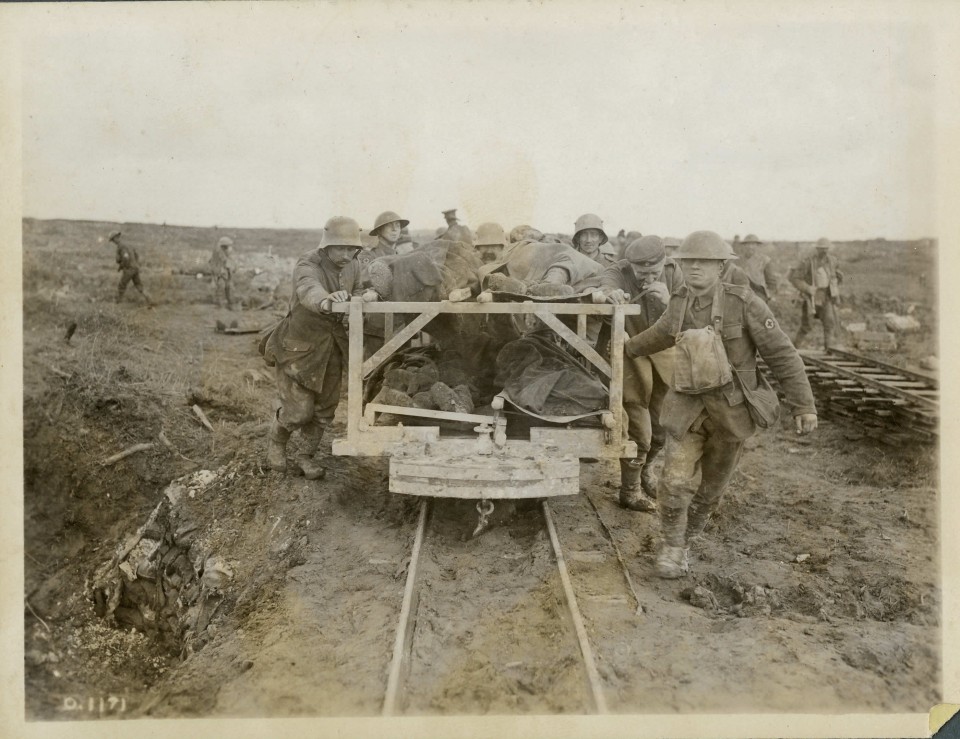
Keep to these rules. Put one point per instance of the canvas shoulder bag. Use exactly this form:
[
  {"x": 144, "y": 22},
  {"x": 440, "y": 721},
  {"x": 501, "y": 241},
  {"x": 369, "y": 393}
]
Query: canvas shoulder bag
[{"x": 700, "y": 362}]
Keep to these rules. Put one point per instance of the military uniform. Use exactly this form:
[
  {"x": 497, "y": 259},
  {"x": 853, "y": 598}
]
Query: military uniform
[
  {"x": 706, "y": 431},
  {"x": 644, "y": 378},
  {"x": 759, "y": 270},
  {"x": 605, "y": 256},
  {"x": 223, "y": 264},
  {"x": 373, "y": 324},
  {"x": 128, "y": 264},
  {"x": 819, "y": 274},
  {"x": 308, "y": 346}
]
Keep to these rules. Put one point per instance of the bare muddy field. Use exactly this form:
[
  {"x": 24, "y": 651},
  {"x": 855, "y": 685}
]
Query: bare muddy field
[{"x": 814, "y": 589}]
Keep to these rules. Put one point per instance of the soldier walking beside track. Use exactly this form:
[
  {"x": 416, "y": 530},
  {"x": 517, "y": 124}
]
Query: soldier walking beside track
[
  {"x": 717, "y": 398},
  {"x": 644, "y": 276},
  {"x": 757, "y": 267},
  {"x": 818, "y": 279},
  {"x": 223, "y": 264},
  {"x": 309, "y": 345},
  {"x": 128, "y": 264}
]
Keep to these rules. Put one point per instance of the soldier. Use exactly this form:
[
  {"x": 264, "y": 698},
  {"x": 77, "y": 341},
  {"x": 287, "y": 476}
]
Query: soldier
[
  {"x": 459, "y": 233},
  {"x": 387, "y": 228},
  {"x": 757, "y": 267},
  {"x": 713, "y": 406},
  {"x": 128, "y": 264},
  {"x": 490, "y": 242},
  {"x": 223, "y": 264},
  {"x": 309, "y": 345},
  {"x": 818, "y": 279},
  {"x": 405, "y": 244},
  {"x": 450, "y": 216},
  {"x": 590, "y": 239},
  {"x": 645, "y": 276},
  {"x": 620, "y": 244}
]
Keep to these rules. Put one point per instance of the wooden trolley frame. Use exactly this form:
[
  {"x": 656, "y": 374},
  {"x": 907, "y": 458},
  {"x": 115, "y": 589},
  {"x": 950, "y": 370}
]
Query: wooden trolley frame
[{"x": 425, "y": 462}]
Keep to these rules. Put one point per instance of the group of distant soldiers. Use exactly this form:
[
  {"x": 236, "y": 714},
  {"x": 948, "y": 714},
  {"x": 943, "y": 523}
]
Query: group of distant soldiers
[{"x": 692, "y": 387}]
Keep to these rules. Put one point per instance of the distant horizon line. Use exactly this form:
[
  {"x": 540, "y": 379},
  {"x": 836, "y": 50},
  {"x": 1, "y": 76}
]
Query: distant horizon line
[{"x": 217, "y": 227}]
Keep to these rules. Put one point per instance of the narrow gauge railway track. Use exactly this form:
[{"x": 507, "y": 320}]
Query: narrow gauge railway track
[
  {"x": 886, "y": 402},
  {"x": 529, "y": 651}
]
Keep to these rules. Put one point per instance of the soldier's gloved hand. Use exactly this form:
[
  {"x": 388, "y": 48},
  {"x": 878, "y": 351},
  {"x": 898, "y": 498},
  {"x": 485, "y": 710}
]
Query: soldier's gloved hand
[{"x": 805, "y": 422}]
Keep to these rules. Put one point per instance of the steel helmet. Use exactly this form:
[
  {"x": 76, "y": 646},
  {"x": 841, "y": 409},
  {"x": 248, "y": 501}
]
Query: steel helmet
[
  {"x": 824, "y": 243},
  {"x": 388, "y": 216},
  {"x": 589, "y": 220},
  {"x": 341, "y": 231},
  {"x": 225, "y": 241},
  {"x": 751, "y": 239},
  {"x": 704, "y": 245},
  {"x": 647, "y": 249},
  {"x": 113, "y": 235},
  {"x": 490, "y": 233}
]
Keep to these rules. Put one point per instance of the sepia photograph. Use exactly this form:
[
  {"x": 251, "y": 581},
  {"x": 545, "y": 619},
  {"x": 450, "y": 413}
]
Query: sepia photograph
[{"x": 479, "y": 367}]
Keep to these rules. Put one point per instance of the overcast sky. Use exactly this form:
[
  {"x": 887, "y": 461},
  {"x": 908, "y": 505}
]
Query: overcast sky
[{"x": 660, "y": 118}]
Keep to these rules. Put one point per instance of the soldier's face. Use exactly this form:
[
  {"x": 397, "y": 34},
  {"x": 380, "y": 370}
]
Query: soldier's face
[
  {"x": 589, "y": 240},
  {"x": 489, "y": 252},
  {"x": 391, "y": 231},
  {"x": 646, "y": 273},
  {"x": 701, "y": 274},
  {"x": 341, "y": 255}
]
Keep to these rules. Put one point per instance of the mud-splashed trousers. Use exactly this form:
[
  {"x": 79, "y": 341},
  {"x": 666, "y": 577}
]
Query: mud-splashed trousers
[
  {"x": 300, "y": 406},
  {"x": 696, "y": 470}
]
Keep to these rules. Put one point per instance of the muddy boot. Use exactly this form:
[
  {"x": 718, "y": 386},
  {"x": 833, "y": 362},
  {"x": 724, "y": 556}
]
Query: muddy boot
[
  {"x": 672, "y": 562},
  {"x": 309, "y": 442},
  {"x": 632, "y": 495},
  {"x": 697, "y": 517},
  {"x": 277, "y": 447}
]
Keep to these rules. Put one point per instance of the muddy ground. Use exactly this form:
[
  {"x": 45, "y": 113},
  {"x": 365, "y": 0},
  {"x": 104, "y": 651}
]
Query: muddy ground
[{"x": 815, "y": 588}]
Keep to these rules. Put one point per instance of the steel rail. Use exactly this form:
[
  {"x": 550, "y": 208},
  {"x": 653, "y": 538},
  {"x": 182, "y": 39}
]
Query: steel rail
[
  {"x": 401, "y": 643},
  {"x": 402, "y": 646},
  {"x": 593, "y": 677}
]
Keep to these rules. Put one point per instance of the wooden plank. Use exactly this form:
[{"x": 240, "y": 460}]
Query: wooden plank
[
  {"x": 388, "y": 326},
  {"x": 400, "y": 410},
  {"x": 617, "y": 339},
  {"x": 354, "y": 362},
  {"x": 575, "y": 341},
  {"x": 931, "y": 378},
  {"x": 593, "y": 676},
  {"x": 399, "y": 664},
  {"x": 446, "y": 306},
  {"x": 465, "y": 490},
  {"x": 582, "y": 326},
  {"x": 401, "y": 338},
  {"x": 498, "y": 469}
]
